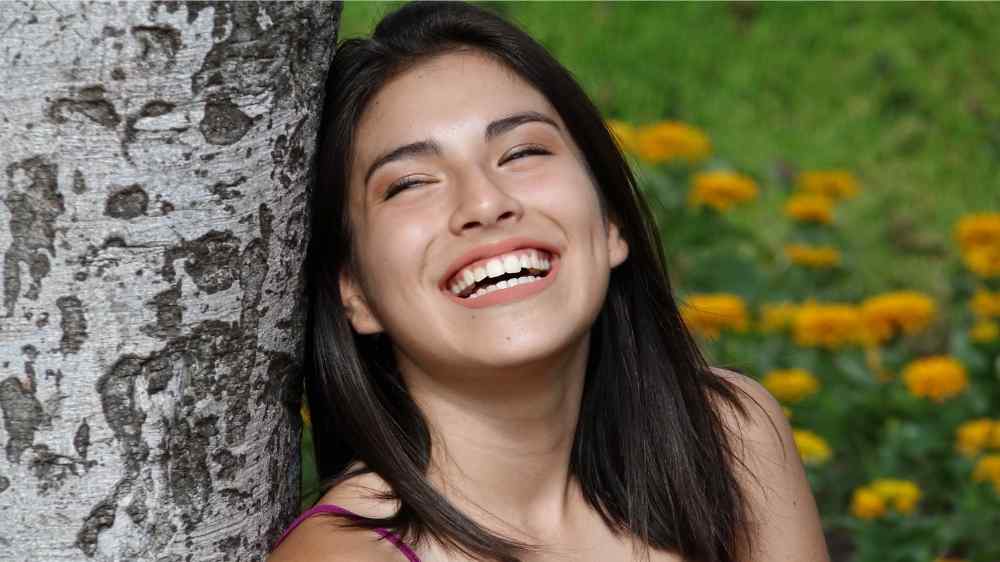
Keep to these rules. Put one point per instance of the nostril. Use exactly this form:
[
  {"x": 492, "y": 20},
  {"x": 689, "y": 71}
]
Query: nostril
[{"x": 478, "y": 224}]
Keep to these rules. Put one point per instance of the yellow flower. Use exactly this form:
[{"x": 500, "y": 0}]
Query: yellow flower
[
  {"x": 810, "y": 207},
  {"x": 777, "y": 316},
  {"x": 975, "y": 435},
  {"x": 831, "y": 326},
  {"x": 978, "y": 230},
  {"x": 902, "y": 494},
  {"x": 889, "y": 314},
  {"x": 866, "y": 504},
  {"x": 787, "y": 412},
  {"x": 672, "y": 140},
  {"x": 938, "y": 377},
  {"x": 984, "y": 331},
  {"x": 721, "y": 190},
  {"x": 812, "y": 448},
  {"x": 624, "y": 134},
  {"x": 984, "y": 261},
  {"x": 306, "y": 415},
  {"x": 986, "y": 304},
  {"x": 872, "y": 501},
  {"x": 835, "y": 184},
  {"x": 818, "y": 257},
  {"x": 978, "y": 235},
  {"x": 988, "y": 470},
  {"x": 709, "y": 314},
  {"x": 791, "y": 385},
  {"x": 907, "y": 504}
]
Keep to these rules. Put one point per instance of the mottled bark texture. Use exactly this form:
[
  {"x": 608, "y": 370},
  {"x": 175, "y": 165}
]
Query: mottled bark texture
[{"x": 154, "y": 164}]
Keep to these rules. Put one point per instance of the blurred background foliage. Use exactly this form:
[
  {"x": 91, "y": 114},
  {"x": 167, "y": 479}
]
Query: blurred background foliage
[{"x": 826, "y": 178}]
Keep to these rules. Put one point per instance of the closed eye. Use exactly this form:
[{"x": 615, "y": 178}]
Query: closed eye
[
  {"x": 401, "y": 185},
  {"x": 531, "y": 150}
]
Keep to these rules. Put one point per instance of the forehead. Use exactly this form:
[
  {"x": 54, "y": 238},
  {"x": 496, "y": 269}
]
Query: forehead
[{"x": 443, "y": 95}]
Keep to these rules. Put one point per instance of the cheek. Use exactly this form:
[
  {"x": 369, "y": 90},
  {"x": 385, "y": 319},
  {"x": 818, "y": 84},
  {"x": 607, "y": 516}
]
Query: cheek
[
  {"x": 392, "y": 252},
  {"x": 582, "y": 210},
  {"x": 584, "y": 217},
  {"x": 566, "y": 191}
]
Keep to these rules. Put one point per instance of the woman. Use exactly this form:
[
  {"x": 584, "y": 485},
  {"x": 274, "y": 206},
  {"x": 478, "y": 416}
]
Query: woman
[{"x": 498, "y": 368}]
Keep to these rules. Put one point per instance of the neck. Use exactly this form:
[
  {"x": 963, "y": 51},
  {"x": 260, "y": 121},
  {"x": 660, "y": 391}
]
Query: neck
[{"x": 501, "y": 441}]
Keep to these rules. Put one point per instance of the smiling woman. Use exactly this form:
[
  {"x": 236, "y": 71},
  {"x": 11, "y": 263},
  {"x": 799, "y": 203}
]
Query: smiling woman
[{"x": 498, "y": 370}]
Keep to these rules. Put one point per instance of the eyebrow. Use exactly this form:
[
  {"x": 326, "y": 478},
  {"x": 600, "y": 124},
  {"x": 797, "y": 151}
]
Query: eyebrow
[
  {"x": 419, "y": 148},
  {"x": 425, "y": 147},
  {"x": 501, "y": 126}
]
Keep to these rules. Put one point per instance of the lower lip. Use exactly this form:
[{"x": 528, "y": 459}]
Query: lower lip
[{"x": 513, "y": 294}]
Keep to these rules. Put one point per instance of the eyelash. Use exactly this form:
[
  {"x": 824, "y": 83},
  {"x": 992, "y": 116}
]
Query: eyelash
[
  {"x": 400, "y": 186},
  {"x": 403, "y": 184},
  {"x": 530, "y": 150}
]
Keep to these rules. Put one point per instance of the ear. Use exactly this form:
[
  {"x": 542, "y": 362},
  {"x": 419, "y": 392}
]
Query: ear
[
  {"x": 359, "y": 313},
  {"x": 617, "y": 246}
]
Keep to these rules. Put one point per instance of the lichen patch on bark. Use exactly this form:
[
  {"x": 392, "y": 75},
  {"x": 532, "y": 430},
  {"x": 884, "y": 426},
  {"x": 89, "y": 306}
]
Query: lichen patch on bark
[
  {"x": 81, "y": 439},
  {"x": 224, "y": 123},
  {"x": 22, "y": 415},
  {"x": 169, "y": 313},
  {"x": 34, "y": 203},
  {"x": 158, "y": 44},
  {"x": 90, "y": 103},
  {"x": 211, "y": 260},
  {"x": 127, "y": 202},
  {"x": 73, "y": 324}
]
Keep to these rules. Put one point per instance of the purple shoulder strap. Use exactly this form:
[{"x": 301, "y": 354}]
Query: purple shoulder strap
[{"x": 337, "y": 510}]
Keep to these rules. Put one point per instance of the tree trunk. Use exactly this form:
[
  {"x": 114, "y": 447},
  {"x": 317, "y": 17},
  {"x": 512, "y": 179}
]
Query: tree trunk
[{"x": 154, "y": 164}]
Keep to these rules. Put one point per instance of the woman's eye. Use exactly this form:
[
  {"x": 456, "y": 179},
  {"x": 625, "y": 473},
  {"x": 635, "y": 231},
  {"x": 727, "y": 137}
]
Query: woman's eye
[
  {"x": 522, "y": 152},
  {"x": 401, "y": 185}
]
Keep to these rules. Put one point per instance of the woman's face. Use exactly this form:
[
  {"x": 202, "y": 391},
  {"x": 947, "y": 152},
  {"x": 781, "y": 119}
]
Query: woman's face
[{"x": 479, "y": 236}]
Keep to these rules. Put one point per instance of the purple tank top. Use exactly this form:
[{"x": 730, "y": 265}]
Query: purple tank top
[{"x": 337, "y": 510}]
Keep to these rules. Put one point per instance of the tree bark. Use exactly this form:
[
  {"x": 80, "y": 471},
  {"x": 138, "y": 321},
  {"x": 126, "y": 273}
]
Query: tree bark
[{"x": 154, "y": 164}]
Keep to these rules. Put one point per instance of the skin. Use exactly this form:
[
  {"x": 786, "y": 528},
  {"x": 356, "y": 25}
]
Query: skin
[{"x": 501, "y": 386}]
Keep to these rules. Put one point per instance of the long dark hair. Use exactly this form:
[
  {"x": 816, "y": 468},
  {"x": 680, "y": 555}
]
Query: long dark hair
[{"x": 650, "y": 451}]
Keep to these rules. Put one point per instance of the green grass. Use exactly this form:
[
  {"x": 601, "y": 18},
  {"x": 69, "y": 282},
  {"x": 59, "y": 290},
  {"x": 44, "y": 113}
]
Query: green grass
[{"x": 905, "y": 95}]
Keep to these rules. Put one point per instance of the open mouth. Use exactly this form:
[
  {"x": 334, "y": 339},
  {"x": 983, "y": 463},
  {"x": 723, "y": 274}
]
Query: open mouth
[{"x": 520, "y": 267}]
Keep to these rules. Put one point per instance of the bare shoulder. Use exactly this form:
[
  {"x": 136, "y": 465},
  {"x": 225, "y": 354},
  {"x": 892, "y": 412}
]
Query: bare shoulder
[
  {"x": 761, "y": 436},
  {"x": 783, "y": 508},
  {"x": 323, "y": 538},
  {"x": 360, "y": 495},
  {"x": 762, "y": 412}
]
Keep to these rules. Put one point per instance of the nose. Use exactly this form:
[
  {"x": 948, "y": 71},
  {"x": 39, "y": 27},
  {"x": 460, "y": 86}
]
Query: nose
[{"x": 482, "y": 203}]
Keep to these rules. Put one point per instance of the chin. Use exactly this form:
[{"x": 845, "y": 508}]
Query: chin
[{"x": 527, "y": 348}]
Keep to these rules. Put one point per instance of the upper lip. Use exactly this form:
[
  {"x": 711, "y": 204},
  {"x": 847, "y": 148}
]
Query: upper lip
[{"x": 491, "y": 250}]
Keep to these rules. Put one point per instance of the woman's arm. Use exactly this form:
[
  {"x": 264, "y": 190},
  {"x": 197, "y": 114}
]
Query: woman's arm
[{"x": 787, "y": 524}]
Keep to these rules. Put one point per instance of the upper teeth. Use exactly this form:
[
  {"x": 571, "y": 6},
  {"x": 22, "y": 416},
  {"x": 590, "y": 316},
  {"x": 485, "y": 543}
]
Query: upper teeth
[{"x": 513, "y": 262}]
